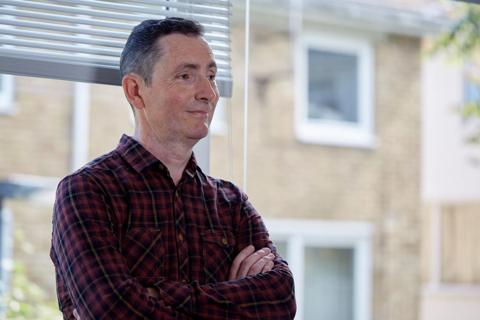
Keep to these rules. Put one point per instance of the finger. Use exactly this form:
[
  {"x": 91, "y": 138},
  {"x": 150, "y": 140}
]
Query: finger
[
  {"x": 249, "y": 261},
  {"x": 75, "y": 314},
  {"x": 258, "y": 266},
  {"x": 152, "y": 292},
  {"x": 268, "y": 266},
  {"x": 247, "y": 251}
]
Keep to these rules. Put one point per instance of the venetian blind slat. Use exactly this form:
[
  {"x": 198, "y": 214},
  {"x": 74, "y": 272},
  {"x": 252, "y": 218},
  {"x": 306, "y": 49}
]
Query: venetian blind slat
[{"x": 92, "y": 33}]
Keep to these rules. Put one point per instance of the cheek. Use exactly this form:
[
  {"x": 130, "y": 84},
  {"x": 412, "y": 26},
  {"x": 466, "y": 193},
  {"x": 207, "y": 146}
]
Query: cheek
[
  {"x": 178, "y": 97},
  {"x": 177, "y": 101}
]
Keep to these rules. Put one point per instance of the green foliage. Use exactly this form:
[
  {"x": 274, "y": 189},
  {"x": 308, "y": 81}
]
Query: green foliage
[
  {"x": 463, "y": 38},
  {"x": 26, "y": 300},
  {"x": 463, "y": 41},
  {"x": 471, "y": 110}
]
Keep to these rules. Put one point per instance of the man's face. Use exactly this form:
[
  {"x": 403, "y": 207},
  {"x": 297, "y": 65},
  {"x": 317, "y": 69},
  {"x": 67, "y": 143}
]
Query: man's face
[{"x": 181, "y": 98}]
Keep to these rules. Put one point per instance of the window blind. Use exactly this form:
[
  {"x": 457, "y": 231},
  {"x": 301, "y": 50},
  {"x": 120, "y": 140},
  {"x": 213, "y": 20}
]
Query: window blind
[{"x": 81, "y": 40}]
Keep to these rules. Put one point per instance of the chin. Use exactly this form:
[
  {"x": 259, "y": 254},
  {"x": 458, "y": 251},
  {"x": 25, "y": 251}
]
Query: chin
[
  {"x": 199, "y": 135},
  {"x": 197, "y": 132}
]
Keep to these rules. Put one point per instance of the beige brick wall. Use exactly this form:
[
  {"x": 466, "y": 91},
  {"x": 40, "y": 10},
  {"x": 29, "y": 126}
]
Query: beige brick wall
[
  {"x": 289, "y": 179},
  {"x": 35, "y": 139},
  {"x": 109, "y": 118},
  {"x": 398, "y": 113}
]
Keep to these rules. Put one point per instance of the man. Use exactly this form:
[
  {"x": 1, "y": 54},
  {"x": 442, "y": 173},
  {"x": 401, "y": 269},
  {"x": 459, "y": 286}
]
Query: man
[{"x": 142, "y": 232}]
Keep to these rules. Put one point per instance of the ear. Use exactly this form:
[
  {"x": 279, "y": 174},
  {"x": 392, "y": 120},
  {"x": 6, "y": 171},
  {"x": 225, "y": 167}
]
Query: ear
[{"x": 133, "y": 86}]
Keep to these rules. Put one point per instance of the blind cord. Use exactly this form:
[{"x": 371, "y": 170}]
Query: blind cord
[{"x": 246, "y": 93}]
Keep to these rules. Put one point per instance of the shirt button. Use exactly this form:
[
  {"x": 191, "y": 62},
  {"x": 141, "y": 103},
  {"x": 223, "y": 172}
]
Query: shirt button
[
  {"x": 180, "y": 237},
  {"x": 224, "y": 241}
]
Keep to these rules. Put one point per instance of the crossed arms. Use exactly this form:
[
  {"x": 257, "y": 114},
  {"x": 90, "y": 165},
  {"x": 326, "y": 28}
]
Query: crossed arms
[{"x": 93, "y": 277}]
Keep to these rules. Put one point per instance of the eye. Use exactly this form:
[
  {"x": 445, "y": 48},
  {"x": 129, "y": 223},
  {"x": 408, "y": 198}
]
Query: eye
[
  {"x": 185, "y": 76},
  {"x": 212, "y": 77}
]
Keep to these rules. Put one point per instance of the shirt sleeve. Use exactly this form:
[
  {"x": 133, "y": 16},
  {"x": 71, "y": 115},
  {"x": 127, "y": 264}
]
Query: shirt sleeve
[
  {"x": 88, "y": 262},
  {"x": 268, "y": 295},
  {"x": 64, "y": 301}
]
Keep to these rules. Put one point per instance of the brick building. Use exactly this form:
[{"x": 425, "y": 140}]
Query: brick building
[{"x": 336, "y": 156}]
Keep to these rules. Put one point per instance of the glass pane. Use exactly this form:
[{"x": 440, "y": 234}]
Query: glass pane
[
  {"x": 472, "y": 91},
  {"x": 219, "y": 121},
  {"x": 332, "y": 86},
  {"x": 328, "y": 283},
  {"x": 42, "y": 131},
  {"x": 281, "y": 248}
]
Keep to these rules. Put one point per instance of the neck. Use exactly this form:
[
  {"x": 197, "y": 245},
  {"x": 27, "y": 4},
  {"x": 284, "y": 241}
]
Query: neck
[{"x": 173, "y": 154}]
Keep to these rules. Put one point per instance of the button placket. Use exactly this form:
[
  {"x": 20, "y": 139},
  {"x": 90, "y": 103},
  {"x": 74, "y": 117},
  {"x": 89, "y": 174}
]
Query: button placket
[{"x": 182, "y": 249}]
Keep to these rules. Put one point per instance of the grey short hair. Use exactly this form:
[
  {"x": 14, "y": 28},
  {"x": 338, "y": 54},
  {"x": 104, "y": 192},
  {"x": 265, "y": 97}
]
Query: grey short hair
[{"x": 141, "y": 50}]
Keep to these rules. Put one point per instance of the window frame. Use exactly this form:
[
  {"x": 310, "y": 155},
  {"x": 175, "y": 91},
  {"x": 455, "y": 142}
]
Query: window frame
[
  {"x": 7, "y": 105},
  {"x": 331, "y": 132},
  {"x": 300, "y": 233},
  {"x": 6, "y": 263}
]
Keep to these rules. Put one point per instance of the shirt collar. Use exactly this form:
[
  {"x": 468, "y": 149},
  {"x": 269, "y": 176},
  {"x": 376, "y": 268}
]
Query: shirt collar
[{"x": 140, "y": 158}]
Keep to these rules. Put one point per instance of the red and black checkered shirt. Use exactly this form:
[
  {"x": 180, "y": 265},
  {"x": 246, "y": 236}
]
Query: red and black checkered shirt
[{"x": 120, "y": 225}]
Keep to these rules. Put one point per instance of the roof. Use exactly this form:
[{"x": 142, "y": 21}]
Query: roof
[{"x": 406, "y": 17}]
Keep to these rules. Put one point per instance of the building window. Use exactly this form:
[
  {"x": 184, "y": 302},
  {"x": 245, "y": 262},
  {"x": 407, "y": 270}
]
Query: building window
[
  {"x": 332, "y": 86},
  {"x": 471, "y": 91},
  {"x": 335, "y": 91},
  {"x": 334, "y": 259},
  {"x": 6, "y": 94},
  {"x": 471, "y": 83}
]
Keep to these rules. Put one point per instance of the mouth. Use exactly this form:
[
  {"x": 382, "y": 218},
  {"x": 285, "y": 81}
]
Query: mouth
[{"x": 199, "y": 114}]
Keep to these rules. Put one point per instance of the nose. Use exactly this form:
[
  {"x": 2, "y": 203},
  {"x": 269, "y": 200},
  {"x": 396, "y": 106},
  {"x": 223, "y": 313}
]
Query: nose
[{"x": 206, "y": 90}]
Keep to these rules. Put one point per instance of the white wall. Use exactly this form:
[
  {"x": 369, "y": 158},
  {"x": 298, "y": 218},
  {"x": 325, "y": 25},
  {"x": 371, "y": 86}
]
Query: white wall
[
  {"x": 449, "y": 171},
  {"x": 450, "y": 304}
]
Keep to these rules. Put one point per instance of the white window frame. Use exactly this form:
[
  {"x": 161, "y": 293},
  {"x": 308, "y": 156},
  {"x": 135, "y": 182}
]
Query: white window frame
[
  {"x": 331, "y": 132},
  {"x": 298, "y": 234},
  {"x": 7, "y": 105},
  {"x": 6, "y": 263}
]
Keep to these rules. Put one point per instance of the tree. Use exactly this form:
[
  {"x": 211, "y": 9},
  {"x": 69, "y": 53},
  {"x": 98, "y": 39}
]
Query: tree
[{"x": 463, "y": 41}]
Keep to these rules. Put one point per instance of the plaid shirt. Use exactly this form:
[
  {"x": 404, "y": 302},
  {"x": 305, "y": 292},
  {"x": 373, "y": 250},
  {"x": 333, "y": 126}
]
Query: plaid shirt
[{"x": 120, "y": 225}]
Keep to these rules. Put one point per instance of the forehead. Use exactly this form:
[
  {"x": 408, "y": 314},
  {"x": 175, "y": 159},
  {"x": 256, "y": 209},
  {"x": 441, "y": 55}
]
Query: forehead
[{"x": 178, "y": 48}]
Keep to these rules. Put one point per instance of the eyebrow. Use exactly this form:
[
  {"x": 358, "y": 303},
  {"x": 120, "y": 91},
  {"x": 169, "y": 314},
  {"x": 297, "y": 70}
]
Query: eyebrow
[{"x": 194, "y": 66}]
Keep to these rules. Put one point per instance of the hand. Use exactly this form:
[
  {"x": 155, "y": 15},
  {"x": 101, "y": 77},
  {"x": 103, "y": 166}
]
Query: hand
[
  {"x": 152, "y": 292},
  {"x": 250, "y": 262}
]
